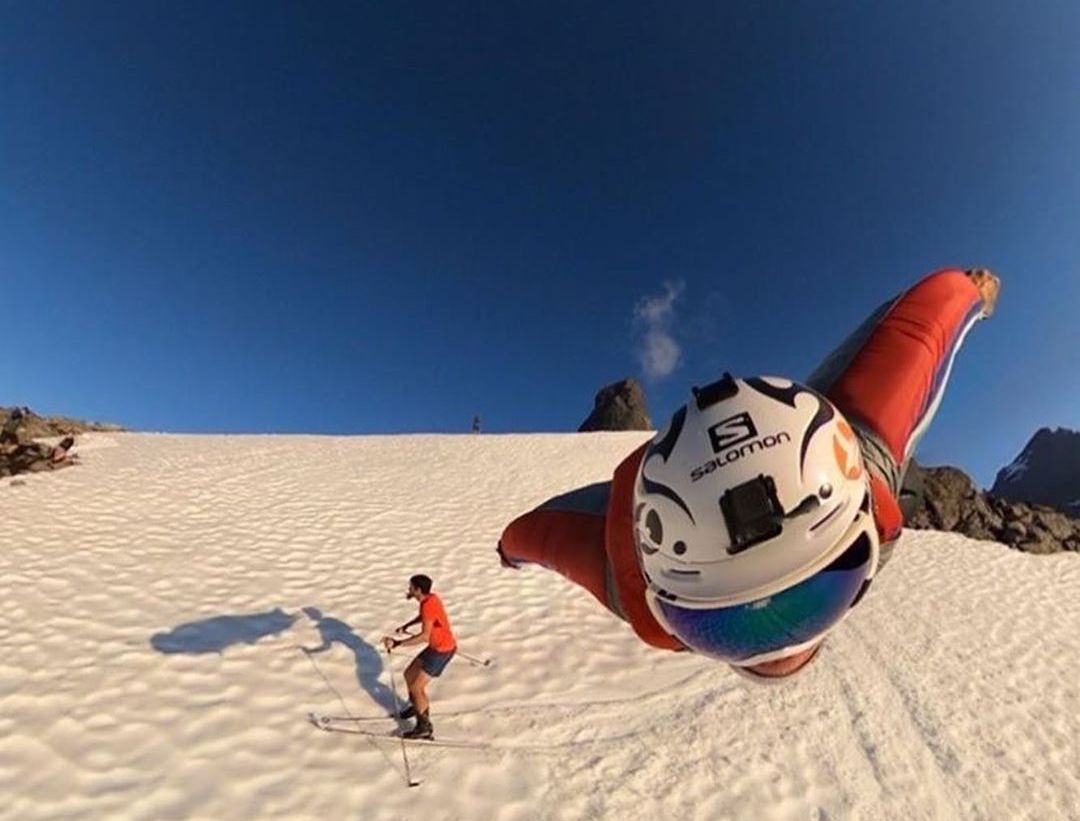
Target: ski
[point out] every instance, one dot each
(321, 718)
(392, 736)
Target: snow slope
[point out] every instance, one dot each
(154, 599)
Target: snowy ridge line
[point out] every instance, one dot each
(1016, 469)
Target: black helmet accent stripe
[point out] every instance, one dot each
(824, 413)
(787, 395)
(664, 449)
(666, 445)
(665, 491)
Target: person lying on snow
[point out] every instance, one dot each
(756, 520)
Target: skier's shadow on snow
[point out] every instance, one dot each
(369, 662)
(213, 635)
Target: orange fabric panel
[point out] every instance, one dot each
(433, 615)
(887, 514)
(888, 383)
(629, 582)
(568, 542)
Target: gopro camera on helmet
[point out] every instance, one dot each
(752, 512)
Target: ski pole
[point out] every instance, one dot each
(404, 754)
(475, 660)
(471, 659)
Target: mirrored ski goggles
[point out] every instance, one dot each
(775, 625)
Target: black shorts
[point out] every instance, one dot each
(433, 662)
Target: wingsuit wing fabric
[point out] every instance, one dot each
(887, 378)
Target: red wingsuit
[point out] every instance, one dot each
(887, 378)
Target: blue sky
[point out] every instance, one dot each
(361, 218)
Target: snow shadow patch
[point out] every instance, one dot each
(213, 635)
(369, 661)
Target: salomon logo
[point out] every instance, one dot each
(732, 431)
(735, 454)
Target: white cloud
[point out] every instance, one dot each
(659, 353)
(658, 310)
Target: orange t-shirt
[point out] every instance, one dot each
(433, 616)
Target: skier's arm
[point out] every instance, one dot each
(420, 638)
(408, 624)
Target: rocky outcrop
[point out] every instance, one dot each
(33, 426)
(19, 453)
(1046, 472)
(620, 406)
(945, 498)
(34, 457)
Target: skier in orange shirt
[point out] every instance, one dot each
(432, 660)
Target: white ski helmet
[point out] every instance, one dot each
(752, 520)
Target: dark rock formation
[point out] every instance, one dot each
(34, 457)
(1046, 472)
(620, 406)
(34, 426)
(945, 498)
(19, 453)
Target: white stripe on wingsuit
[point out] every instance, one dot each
(929, 415)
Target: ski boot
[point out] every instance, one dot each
(422, 730)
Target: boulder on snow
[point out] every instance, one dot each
(619, 406)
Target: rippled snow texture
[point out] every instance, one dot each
(154, 600)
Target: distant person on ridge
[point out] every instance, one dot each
(754, 522)
(436, 633)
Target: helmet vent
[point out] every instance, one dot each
(654, 527)
(828, 516)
